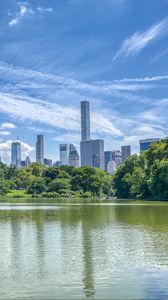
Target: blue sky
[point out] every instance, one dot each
(55, 53)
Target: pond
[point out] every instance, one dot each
(70, 250)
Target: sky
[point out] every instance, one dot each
(56, 53)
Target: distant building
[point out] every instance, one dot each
(111, 167)
(125, 152)
(57, 164)
(85, 121)
(117, 157)
(48, 162)
(27, 161)
(40, 149)
(144, 144)
(16, 154)
(23, 164)
(73, 156)
(64, 154)
(107, 158)
(92, 153)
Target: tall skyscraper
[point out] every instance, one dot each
(125, 152)
(107, 158)
(16, 154)
(144, 144)
(85, 121)
(92, 153)
(40, 149)
(73, 156)
(64, 154)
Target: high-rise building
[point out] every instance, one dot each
(40, 149)
(144, 144)
(92, 153)
(117, 157)
(125, 152)
(64, 154)
(16, 154)
(73, 156)
(85, 121)
(107, 158)
(48, 162)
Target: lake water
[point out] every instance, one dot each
(111, 250)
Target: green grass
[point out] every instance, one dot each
(18, 194)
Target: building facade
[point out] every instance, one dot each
(48, 162)
(144, 144)
(92, 153)
(40, 149)
(73, 156)
(85, 121)
(16, 154)
(107, 158)
(64, 154)
(117, 157)
(125, 152)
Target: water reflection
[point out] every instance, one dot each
(84, 250)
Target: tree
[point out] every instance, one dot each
(4, 186)
(37, 186)
(59, 185)
(121, 182)
(36, 169)
(158, 181)
(88, 179)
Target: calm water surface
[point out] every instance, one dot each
(112, 250)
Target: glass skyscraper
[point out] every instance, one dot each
(85, 121)
(144, 144)
(16, 154)
(40, 149)
(63, 154)
(107, 158)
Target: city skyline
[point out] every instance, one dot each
(113, 60)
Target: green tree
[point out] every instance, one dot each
(59, 185)
(37, 186)
(4, 186)
(158, 181)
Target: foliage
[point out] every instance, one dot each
(64, 181)
(145, 176)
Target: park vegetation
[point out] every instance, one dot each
(52, 182)
(144, 176)
(139, 177)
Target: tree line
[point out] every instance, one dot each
(139, 177)
(64, 181)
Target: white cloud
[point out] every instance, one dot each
(52, 114)
(25, 10)
(139, 40)
(4, 133)
(144, 79)
(5, 150)
(7, 126)
(27, 78)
